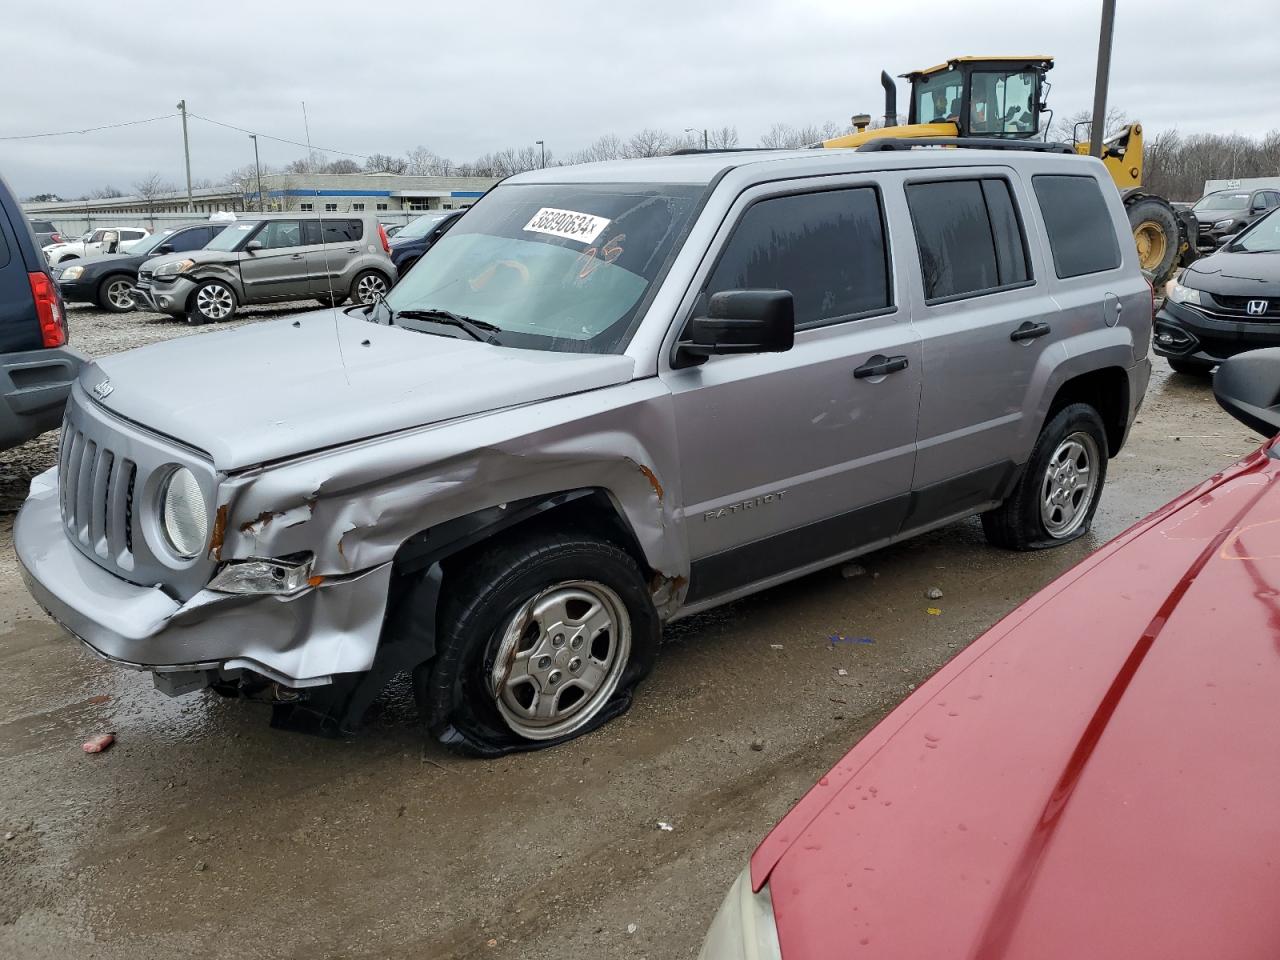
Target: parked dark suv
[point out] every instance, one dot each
(36, 366)
(1226, 212)
(418, 236)
(108, 280)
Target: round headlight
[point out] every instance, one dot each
(184, 514)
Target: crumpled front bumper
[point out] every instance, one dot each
(300, 640)
(169, 297)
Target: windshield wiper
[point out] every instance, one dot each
(480, 330)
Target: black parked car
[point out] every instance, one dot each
(108, 281)
(418, 236)
(1226, 212)
(37, 367)
(1225, 303)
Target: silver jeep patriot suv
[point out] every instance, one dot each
(612, 395)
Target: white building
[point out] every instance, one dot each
(396, 197)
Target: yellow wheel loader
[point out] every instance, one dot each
(999, 102)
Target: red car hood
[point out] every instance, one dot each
(1097, 776)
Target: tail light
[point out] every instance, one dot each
(55, 238)
(1152, 287)
(53, 321)
(382, 235)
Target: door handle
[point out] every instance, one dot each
(1029, 331)
(298, 256)
(879, 365)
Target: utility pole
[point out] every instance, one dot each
(1098, 128)
(186, 152)
(706, 140)
(258, 168)
(543, 145)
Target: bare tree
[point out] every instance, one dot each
(341, 165)
(1078, 125)
(151, 188)
(723, 138)
(385, 163)
(106, 193)
(649, 143)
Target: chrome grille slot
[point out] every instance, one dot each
(106, 467)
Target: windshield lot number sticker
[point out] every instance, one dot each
(583, 227)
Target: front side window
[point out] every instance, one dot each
(190, 239)
(280, 233)
(1002, 103)
(1082, 237)
(560, 267)
(969, 237)
(828, 249)
(938, 97)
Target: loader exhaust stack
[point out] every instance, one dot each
(890, 99)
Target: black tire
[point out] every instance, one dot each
(1019, 522)
(1192, 368)
(1156, 214)
(482, 594)
(199, 312)
(330, 302)
(365, 279)
(108, 293)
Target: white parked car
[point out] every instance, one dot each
(94, 243)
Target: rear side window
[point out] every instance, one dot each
(191, 239)
(827, 248)
(342, 231)
(1081, 234)
(969, 237)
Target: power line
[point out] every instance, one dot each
(267, 136)
(108, 126)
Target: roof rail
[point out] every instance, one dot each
(689, 151)
(972, 143)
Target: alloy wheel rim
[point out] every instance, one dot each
(119, 294)
(559, 659)
(370, 287)
(1070, 483)
(214, 302)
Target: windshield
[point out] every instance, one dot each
(420, 226)
(147, 244)
(553, 266)
(1222, 201)
(1262, 237)
(230, 237)
(938, 97)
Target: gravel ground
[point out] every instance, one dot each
(206, 829)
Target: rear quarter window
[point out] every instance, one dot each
(1082, 236)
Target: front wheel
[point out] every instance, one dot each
(211, 302)
(368, 286)
(1155, 233)
(116, 294)
(540, 640)
(1057, 495)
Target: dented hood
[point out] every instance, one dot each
(290, 386)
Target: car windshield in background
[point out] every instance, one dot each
(1222, 201)
(420, 226)
(230, 237)
(1264, 237)
(550, 266)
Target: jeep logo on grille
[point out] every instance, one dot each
(1256, 308)
(103, 389)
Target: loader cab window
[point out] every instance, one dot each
(938, 97)
(1003, 103)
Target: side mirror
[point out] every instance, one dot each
(740, 321)
(164, 248)
(253, 246)
(1247, 386)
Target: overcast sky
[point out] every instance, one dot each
(467, 78)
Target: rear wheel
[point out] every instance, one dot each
(1057, 495)
(212, 301)
(1155, 232)
(368, 285)
(539, 640)
(115, 293)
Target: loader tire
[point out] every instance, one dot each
(1155, 231)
